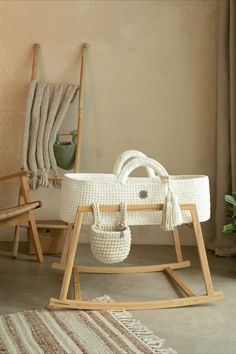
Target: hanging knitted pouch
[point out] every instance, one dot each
(110, 243)
(65, 151)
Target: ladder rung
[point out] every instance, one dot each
(66, 133)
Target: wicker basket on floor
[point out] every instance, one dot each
(51, 239)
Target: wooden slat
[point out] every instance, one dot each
(20, 219)
(16, 241)
(76, 284)
(17, 231)
(179, 282)
(66, 244)
(177, 245)
(32, 223)
(135, 305)
(202, 251)
(131, 269)
(51, 178)
(52, 224)
(57, 178)
(81, 106)
(65, 133)
(13, 175)
(34, 74)
(131, 207)
(71, 257)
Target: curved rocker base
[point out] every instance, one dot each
(135, 305)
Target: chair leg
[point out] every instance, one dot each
(31, 220)
(16, 233)
(16, 241)
(35, 237)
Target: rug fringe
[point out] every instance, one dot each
(104, 298)
(143, 333)
(2, 347)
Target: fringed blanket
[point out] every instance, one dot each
(46, 108)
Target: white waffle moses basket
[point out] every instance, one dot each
(106, 189)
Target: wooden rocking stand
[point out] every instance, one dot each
(72, 270)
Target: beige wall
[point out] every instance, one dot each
(150, 82)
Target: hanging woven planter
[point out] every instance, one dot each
(110, 243)
(65, 151)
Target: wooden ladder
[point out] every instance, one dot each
(34, 76)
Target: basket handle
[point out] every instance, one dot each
(138, 162)
(123, 214)
(129, 154)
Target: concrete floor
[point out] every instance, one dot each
(208, 328)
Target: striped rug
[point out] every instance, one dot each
(74, 332)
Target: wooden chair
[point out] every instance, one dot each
(21, 214)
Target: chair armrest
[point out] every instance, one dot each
(13, 175)
(10, 213)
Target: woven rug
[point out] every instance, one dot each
(76, 331)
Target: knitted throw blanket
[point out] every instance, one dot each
(47, 105)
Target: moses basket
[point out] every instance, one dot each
(118, 187)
